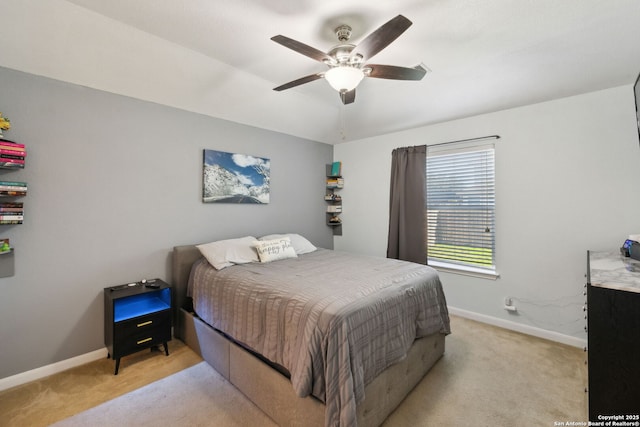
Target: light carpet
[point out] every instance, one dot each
(196, 396)
(488, 376)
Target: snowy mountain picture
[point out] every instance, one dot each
(235, 178)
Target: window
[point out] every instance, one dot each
(460, 207)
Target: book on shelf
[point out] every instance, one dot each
(11, 156)
(333, 198)
(5, 164)
(11, 219)
(4, 158)
(335, 220)
(335, 182)
(11, 216)
(11, 145)
(12, 193)
(334, 209)
(11, 205)
(16, 153)
(7, 210)
(336, 169)
(13, 186)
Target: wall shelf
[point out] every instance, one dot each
(334, 182)
(12, 157)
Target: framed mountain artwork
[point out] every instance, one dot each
(235, 178)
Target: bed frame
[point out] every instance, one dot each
(272, 391)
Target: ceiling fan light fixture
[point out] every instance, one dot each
(344, 78)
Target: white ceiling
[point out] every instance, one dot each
(215, 57)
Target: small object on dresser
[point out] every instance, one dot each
(624, 249)
(151, 283)
(634, 250)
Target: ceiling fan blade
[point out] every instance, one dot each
(302, 48)
(300, 81)
(396, 73)
(381, 37)
(348, 97)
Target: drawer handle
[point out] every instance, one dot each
(144, 341)
(148, 322)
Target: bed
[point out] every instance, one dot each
(331, 368)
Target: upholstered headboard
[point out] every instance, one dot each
(182, 259)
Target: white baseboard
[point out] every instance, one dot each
(519, 327)
(54, 368)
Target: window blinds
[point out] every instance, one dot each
(460, 203)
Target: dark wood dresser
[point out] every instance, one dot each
(613, 307)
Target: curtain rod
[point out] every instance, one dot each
(467, 140)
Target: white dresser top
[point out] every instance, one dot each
(614, 271)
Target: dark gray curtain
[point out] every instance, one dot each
(407, 205)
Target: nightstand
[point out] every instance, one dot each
(137, 316)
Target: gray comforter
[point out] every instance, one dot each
(334, 320)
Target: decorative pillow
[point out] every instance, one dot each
(299, 243)
(273, 250)
(225, 253)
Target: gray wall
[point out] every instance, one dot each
(114, 183)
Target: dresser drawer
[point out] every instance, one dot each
(142, 340)
(141, 332)
(142, 324)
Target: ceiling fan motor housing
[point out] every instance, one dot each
(343, 32)
(342, 55)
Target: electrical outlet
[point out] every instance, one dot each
(508, 304)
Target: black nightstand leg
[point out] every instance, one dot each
(166, 348)
(117, 366)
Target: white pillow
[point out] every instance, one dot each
(299, 243)
(225, 253)
(273, 250)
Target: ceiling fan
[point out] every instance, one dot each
(348, 63)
